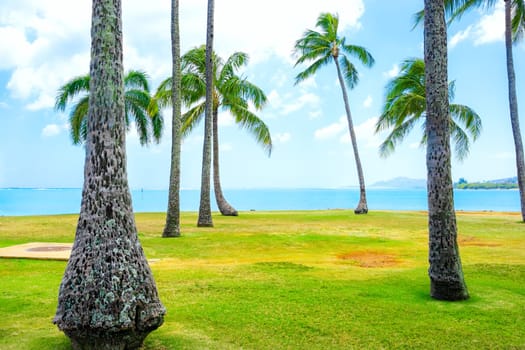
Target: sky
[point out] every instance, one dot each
(43, 44)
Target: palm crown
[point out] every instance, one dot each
(405, 106)
(137, 99)
(320, 47)
(231, 92)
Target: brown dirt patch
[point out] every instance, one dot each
(476, 242)
(370, 259)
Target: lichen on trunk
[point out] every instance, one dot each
(445, 270)
(108, 298)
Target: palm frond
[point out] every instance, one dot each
(254, 125)
(78, 121)
(518, 20)
(136, 79)
(349, 72)
(359, 52)
(70, 90)
(329, 23)
(191, 118)
(397, 135)
(467, 117)
(460, 140)
(313, 68)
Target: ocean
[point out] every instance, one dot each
(31, 201)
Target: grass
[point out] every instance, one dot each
(292, 280)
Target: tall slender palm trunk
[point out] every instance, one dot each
(224, 207)
(445, 272)
(172, 227)
(107, 298)
(362, 206)
(513, 105)
(205, 218)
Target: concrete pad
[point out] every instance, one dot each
(38, 250)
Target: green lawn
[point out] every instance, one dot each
(292, 280)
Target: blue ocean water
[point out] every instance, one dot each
(22, 201)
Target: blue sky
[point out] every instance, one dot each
(45, 43)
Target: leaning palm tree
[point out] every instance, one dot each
(137, 99)
(514, 32)
(107, 298)
(172, 226)
(231, 93)
(445, 271)
(405, 107)
(322, 48)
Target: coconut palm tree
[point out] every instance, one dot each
(136, 98)
(405, 106)
(231, 93)
(514, 32)
(205, 218)
(445, 271)
(107, 298)
(172, 227)
(321, 48)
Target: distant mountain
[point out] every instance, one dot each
(509, 180)
(401, 182)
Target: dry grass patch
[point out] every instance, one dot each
(370, 259)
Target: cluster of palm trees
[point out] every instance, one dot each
(108, 298)
(231, 93)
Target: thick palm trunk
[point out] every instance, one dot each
(362, 206)
(224, 207)
(172, 227)
(513, 104)
(205, 218)
(446, 274)
(107, 298)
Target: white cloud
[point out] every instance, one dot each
(226, 147)
(306, 99)
(282, 137)
(45, 43)
(459, 37)
(51, 130)
(365, 134)
(367, 103)
(226, 119)
(331, 131)
(392, 73)
(490, 28)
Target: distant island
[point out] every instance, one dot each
(402, 182)
(500, 184)
(462, 184)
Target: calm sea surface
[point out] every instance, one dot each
(19, 201)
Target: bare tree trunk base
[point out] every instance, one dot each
(170, 234)
(448, 290)
(361, 209)
(227, 210)
(204, 224)
(100, 340)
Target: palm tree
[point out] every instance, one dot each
(405, 106)
(205, 218)
(321, 48)
(231, 93)
(172, 227)
(445, 272)
(136, 98)
(514, 32)
(107, 298)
